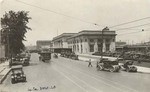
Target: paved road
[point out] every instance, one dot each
(65, 75)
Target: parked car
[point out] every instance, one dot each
(26, 61)
(62, 54)
(17, 74)
(55, 55)
(110, 65)
(73, 56)
(16, 61)
(128, 66)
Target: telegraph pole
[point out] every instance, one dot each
(106, 28)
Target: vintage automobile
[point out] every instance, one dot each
(55, 55)
(73, 56)
(17, 74)
(67, 54)
(128, 66)
(45, 56)
(107, 64)
(62, 54)
(26, 61)
(16, 61)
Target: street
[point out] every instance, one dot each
(66, 75)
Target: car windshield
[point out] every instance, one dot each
(17, 71)
(129, 62)
(110, 62)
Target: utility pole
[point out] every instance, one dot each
(104, 29)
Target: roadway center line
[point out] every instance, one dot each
(70, 80)
(105, 79)
(101, 80)
(82, 81)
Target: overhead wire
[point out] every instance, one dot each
(58, 13)
(132, 27)
(133, 32)
(130, 22)
(75, 18)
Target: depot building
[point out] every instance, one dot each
(87, 41)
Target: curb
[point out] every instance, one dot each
(4, 77)
(86, 58)
(2, 70)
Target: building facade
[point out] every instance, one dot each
(86, 41)
(92, 41)
(61, 40)
(44, 44)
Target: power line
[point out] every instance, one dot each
(129, 22)
(75, 18)
(133, 32)
(132, 27)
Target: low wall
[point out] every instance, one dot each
(85, 57)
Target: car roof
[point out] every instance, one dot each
(45, 52)
(17, 67)
(129, 60)
(111, 59)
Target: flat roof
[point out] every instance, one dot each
(93, 32)
(43, 41)
(63, 35)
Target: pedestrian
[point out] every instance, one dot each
(90, 63)
(97, 64)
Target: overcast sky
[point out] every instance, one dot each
(48, 22)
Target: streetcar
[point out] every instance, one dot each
(45, 56)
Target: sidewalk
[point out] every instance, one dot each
(85, 57)
(4, 71)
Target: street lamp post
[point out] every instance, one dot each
(102, 45)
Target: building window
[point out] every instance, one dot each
(78, 47)
(99, 47)
(113, 40)
(107, 47)
(107, 40)
(91, 40)
(81, 49)
(85, 40)
(91, 47)
(99, 40)
(74, 47)
(81, 40)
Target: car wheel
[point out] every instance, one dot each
(128, 70)
(112, 69)
(135, 71)
(25, 80)
(118, 70)
(12, 81)
(100, 68)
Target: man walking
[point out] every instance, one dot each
(90, 63)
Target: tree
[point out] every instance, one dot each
(14, 27)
